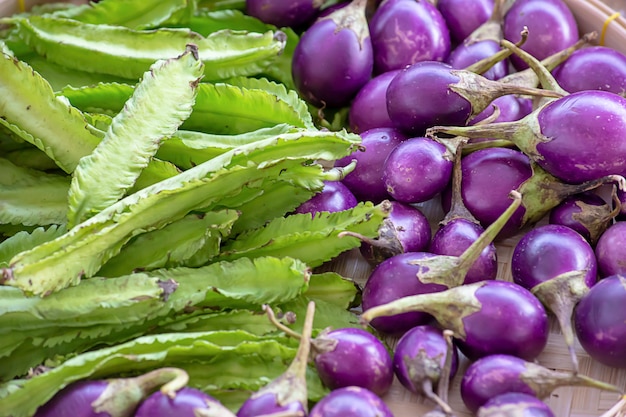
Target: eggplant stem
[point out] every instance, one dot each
(272, 317)
(427, 389)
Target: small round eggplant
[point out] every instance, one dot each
(467, 54)
(117, 397)
(463, 17)
(335, 196)
(559, 266)
(368, 110)
(332, 75)
(351, 402)
(283, 13)
(518, 322)
(611, 250)
(186, 403)
(515, 404)
(366, 180)
(425, 36)
(493, 375)
(587, 213)
(600, 321)
(353, 357)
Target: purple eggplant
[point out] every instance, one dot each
(621, 202)
(600, 321)
(587, 213)
(459, 229)
(518, 322)
(551, 25)
(559, 266)
(467, 54)
(283, 13)
(366, 180)
(414, 273)
(353, 357)
(288, 392)
(332, 75)
(417, 170)
(419, 359)
(494, 375)
(351, 402)
(187, 402)
(515, 404)
(368, 110)
(464, 17)
(118, 397)
(593, 68)
(611, 250)
(335, 196)
(424, 34)
(433, 93)
(406, 229)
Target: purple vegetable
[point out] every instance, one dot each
(621, 203)
(559, 266)
(353, 357)
(463, 17)
(587, 213)
(467, 54)
(550, 23)
(332, 75)
(406, 229)
(433, 93)
(368, 110)
(188, 402)
(414, 273)
(335, 196)
(351, 402)
(424, 36)
(517, 322)
(288, 392)
(459, 229)
(600, 321)
(117, 397)
(366, 180)
(510, 108)
(419, 359)
(515, 404)
(577, 138)
(593, 68)
(417, 170)
(281, 13)
(494, 375)
(611, 250)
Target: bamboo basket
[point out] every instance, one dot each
(608, 18)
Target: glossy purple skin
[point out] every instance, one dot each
(551, 27)
(611, 250)
(392, 279)
(282, 13)
(564, 214)
(417, 170)
(600, 321)
(465, 55)
(266, 404)
(531, 405)
(359, 359)
(351, 402)
(491, 376)
(333, 74)
(184, 404)
(511, 108)
(369, 108)
(75, 401)
(455, 237)
(517, 323)
(462, 17)
(593, 68)
(419, 97)
(584, 148)
(412, 225)
(425, 36)
(488, 176)
(429, 340)
(366, 181)
(335, 196)
(548, 251)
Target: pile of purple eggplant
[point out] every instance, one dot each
(516, 122)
